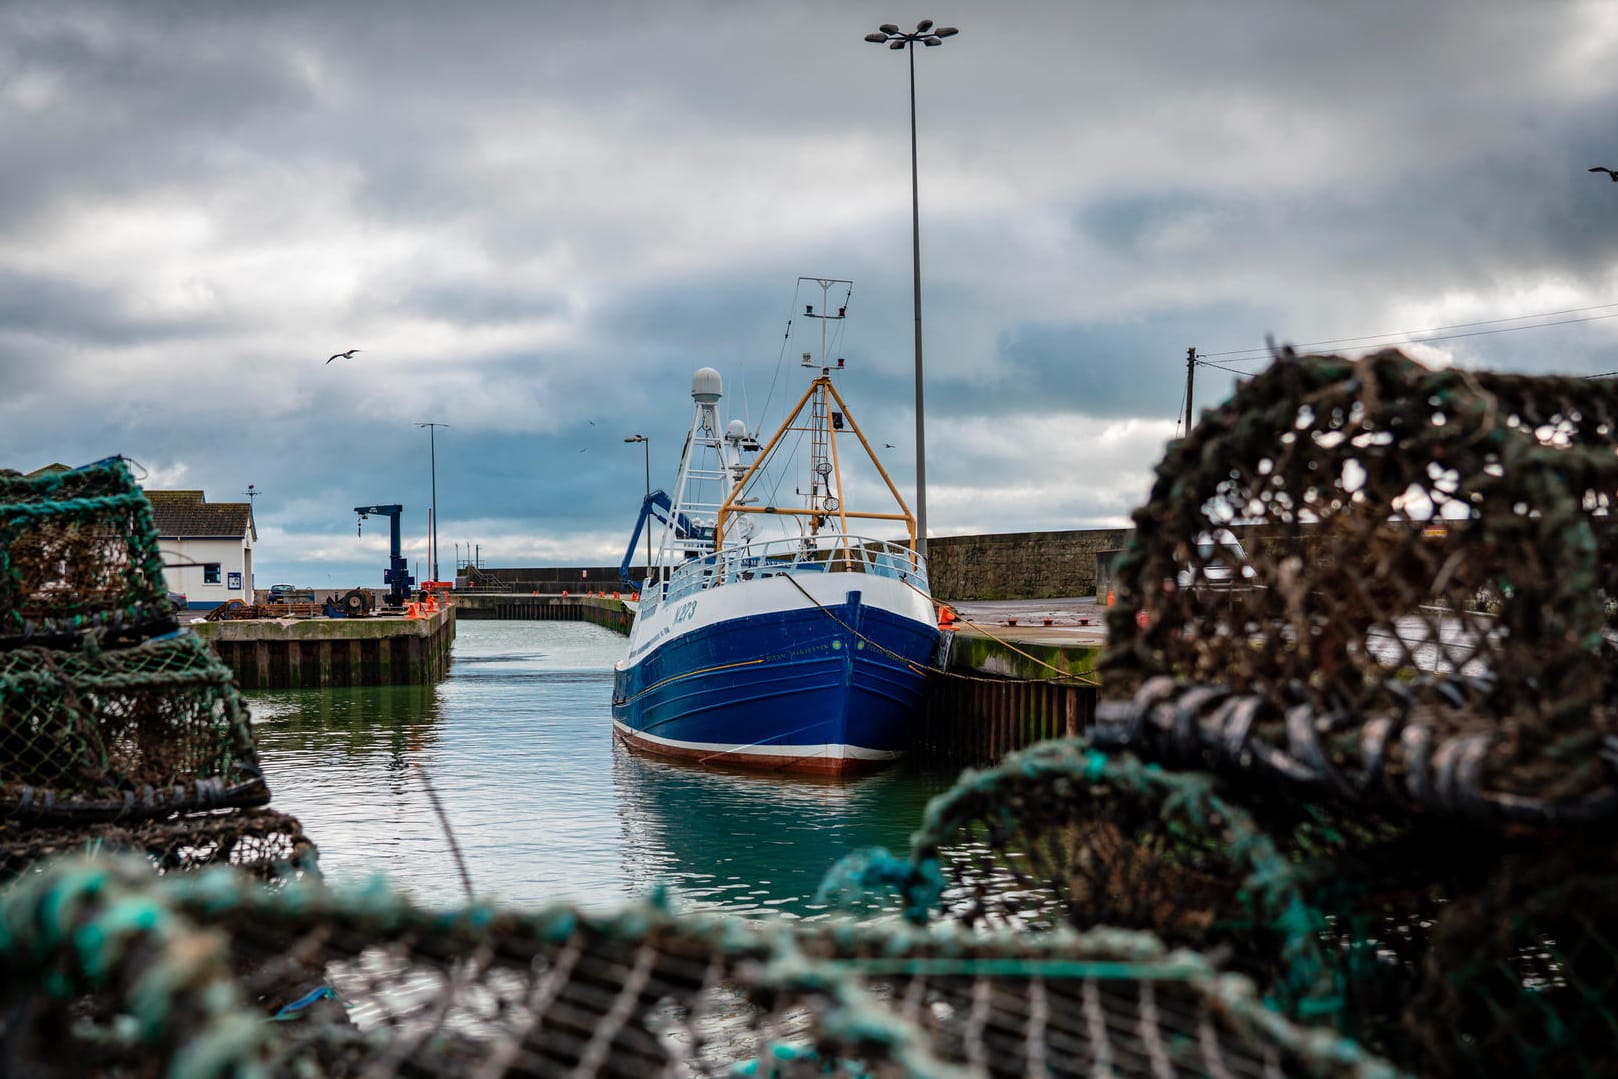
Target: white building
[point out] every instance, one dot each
(207, 546)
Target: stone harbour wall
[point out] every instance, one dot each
(1019, 565)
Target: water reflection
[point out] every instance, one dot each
(755, 843)
(544, 804)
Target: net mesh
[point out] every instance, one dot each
(1419, 608)
(79, 553)
(1379, 601)
(262, 842)
(1061, 835)
(122, 733)
(129, 972)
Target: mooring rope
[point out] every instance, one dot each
(1081, 679)
(449, 833)
(906, 660)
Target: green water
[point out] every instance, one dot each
(543, 802)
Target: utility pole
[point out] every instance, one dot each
(1190, 383)
(432, 449)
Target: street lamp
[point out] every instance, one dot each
(432, 449)
(888, 34)
(646, 446)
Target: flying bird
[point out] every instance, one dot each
(349, 355)
(1612, 173)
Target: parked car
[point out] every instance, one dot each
(282, 593)
(178, 601)
(1220, 563)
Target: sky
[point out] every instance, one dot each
(536, 220)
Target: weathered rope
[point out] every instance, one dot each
(564, 991)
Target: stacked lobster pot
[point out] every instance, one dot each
(117, 728)
(1358, 723)
(1380, 603)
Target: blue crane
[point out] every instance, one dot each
(397, 575)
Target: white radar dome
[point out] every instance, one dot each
(735, 431)
(706, 386)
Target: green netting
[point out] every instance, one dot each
(79, 552)
(113, 970)
(1406, 672)
(1062, 835)
(1523, 971)
(260, 841)
(122, 733)
(1424, 612)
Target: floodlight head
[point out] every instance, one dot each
(945, 31)
(898, 44)
(888, 28)
(877, 39)
(931, 41)
(924, 25)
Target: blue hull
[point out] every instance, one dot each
(791, 689)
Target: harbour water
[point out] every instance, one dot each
(543, 802)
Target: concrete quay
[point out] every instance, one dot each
(310, 653)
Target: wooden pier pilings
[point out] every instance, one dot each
(309, 653)
(997, 693)
(975, 721)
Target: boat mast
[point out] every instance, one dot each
(822, 466)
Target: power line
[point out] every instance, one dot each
(1369, 338)
(1222, 367)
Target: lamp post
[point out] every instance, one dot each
(646, 447)
(888, 34)
(432, 449)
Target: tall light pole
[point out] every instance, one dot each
(646, 446)
(432, 449)
(888, 34)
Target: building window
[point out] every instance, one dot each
(210, 573)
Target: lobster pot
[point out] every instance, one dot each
(1061, 836)
(1382, 583)
(632, 993)
(78, 552)
(261, 842)
(1520, 977)
(130, 733)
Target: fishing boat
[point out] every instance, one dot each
(773, 631)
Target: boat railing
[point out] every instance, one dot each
(827, 552)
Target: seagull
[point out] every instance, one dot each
(1613, 173)
(349, 355)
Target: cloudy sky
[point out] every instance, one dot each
(536, 219)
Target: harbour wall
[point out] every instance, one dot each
(312, 653)
(1007, 565)
(1019, 565)
(603, 610)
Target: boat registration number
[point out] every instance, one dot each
(685, 611)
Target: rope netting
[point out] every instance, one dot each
(79, 552)
(1392, 584)
(122, 733)
(1061, 835)
(114, 970)
(262, 842)
(1379, 602)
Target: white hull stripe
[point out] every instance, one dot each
(834, 752)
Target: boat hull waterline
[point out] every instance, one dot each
(820, 675)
